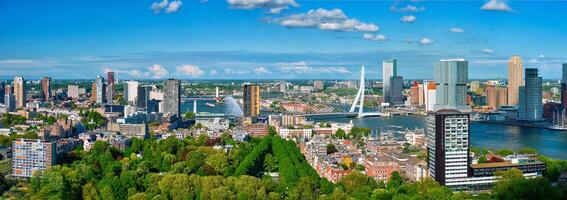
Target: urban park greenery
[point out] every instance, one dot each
(196, 168)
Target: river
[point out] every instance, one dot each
(493, 136)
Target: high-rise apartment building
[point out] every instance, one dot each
(414, 94)
(530, 97)
(319, 85)
(515, 79)
(389, 70)
(131, 91)
(73, 91)
(100, 90)
(142, 97)
(251, 100)
(32, 155)
(110, 87)
(430, 93)
(93, 92)
(396, 91)
(448, 146)
(496, 96)
(172, 97)
(451, 77)
(20, 91)
(46, 88)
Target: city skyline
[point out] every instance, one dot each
(224, 39)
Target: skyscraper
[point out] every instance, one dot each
(142, 97)
(389, 69)
(448, 146)
(172, 97)
(9, 99)
(110, 87)
(20, 91)
(515, 78)
(530, 96)
(451, 77)
(100, 90)
(251, 100)
(46, 88)
(396, 91)
(2, 90)
(564, 86)
(131, 91)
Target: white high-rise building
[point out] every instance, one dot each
(131, 91)
(73, 91)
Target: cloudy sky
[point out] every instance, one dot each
(276, 39)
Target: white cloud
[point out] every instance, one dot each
(541, 56)
(329, 20)
(408, 19)
(157, 71)
(261, 70)
(496, 5)
(456, 30)
(16, 62)
(191, 70)
(488, 51)
(408, 8)
(173, 6)
(275, 6)
(213, 72)
(369, 36)
(302, 68)
(425, 41)
(170, 7)
(132, 73)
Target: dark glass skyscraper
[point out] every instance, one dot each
(530, 105)
(172, 96)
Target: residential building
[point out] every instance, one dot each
(251, 100)
(9, 99)
(93, 92)
(515, 79)
(73, 91)
(430, 96)
(130, 130)
(496, 96)
(448, 145)
(389, 69)
(380, 167)
(46, 88)
(530, 97)
(172, 97)
(415, 94)
(32, 155)
(451, 77)
(20, 91)
(319, 85)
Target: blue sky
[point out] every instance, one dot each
(279, 39)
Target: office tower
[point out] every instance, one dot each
(319, 85)
(93, 92)
(396, 91)
(451, 77)
(421, 91)
(496, 96)
(389, 69)
(530, 96)
(172, 96)
(32, 155)
(2, 90)
(20, 91)
(142, 97)
(73, 91)
(131, 92)
(100, 90)
(251, 100)
(110, 87)
(46, 88)
(9, 99)
(515, 78)
(448, 146)
(564, 86)
(153, 106)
